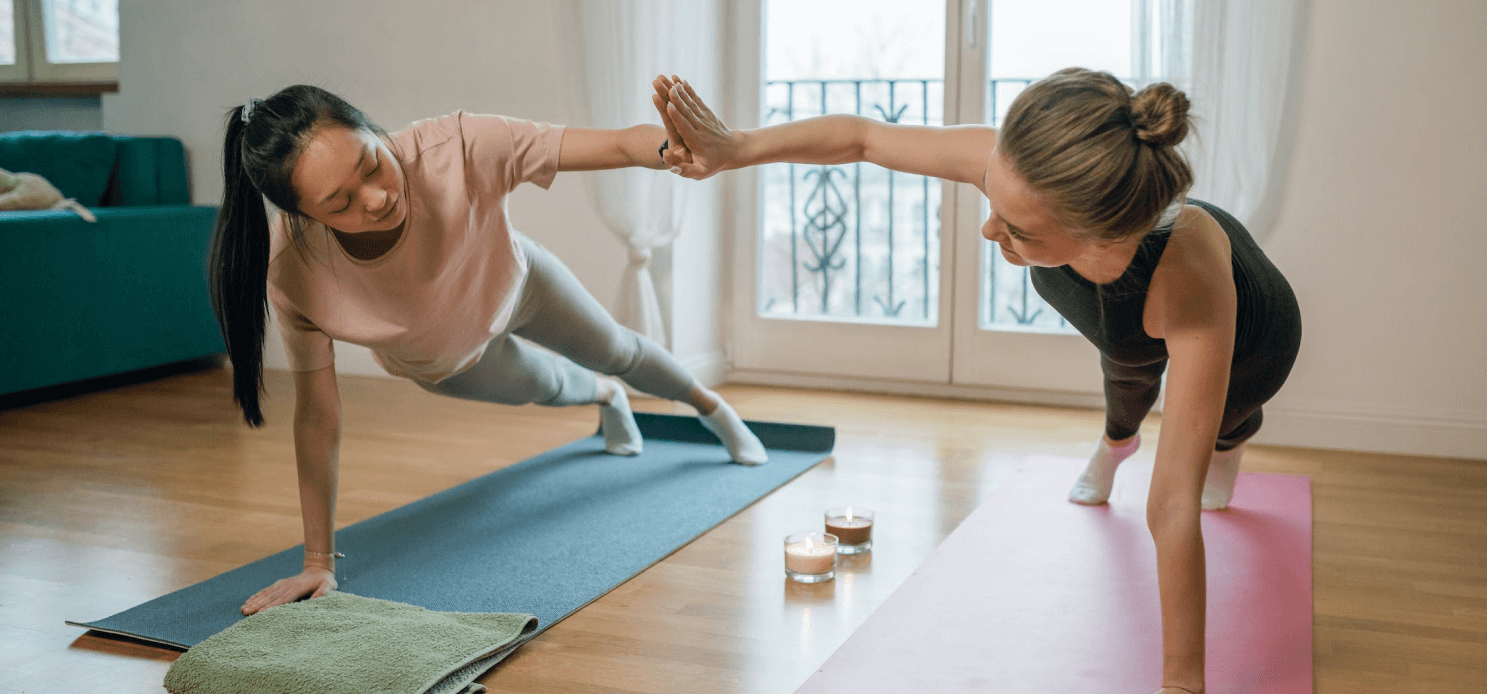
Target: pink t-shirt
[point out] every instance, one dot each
(428, 307)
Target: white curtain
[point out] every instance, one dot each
(621, 45)
(1240, 63)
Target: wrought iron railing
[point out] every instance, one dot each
(859, 242)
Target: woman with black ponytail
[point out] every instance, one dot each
(401, 243)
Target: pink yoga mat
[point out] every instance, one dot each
(1035, 594)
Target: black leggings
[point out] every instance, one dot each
(1130, 392)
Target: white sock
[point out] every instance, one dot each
(743, 446)
(1223, 470)
(1093, 487)
(621, 435)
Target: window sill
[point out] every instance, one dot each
(56, 88)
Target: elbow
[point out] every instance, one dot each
(859, 145)
(1171, 517)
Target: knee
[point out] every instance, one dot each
(1238, 428)
(1169, 513)
(624, 354)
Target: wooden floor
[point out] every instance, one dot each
(114, 498)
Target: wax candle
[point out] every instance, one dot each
(810, 557)
(853, 526)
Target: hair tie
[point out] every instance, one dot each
(248, 109)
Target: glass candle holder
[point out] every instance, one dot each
(810, 557)
(853, 527)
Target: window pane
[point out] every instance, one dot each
(1029, 40)
(82, 31)
(1033, 38)
(854, 242)
(7, 32)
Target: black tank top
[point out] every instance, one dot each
(1110, 315)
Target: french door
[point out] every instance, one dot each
(854, 272)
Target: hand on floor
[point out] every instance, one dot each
(315, 582)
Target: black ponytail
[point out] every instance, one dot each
(239, 272)
(258, 158)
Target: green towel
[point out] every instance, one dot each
(347, 643)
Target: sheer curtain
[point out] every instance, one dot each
(620, 46)
(1240, 63)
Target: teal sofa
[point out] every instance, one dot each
(80, 300)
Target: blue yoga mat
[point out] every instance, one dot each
(545, 536)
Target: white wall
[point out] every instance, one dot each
(185, 64)
(1383, 235)
(50, 113)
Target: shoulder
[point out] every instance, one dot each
(428, 133)
(1194, 282)
(1198, 250)
(1198, 240)
(485, 133)
(291, 237)
(279, 235)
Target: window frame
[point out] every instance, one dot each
(20, 71)
(33, 73)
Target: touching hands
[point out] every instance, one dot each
(700, 144)
(313, 581)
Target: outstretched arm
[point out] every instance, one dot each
(588, 149)
(317, 440)
(956, 153)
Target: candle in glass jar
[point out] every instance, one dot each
(810, 557)
(853, 527)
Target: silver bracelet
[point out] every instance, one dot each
(339, 571)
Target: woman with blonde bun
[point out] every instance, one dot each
(1088, 189)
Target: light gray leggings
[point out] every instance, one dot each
(555, 311)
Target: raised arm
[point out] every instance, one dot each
(317, 443)
(956, 153)
(589, 149)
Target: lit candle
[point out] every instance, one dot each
(853, 526)
(810, 557)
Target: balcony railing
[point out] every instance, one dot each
(858, 242)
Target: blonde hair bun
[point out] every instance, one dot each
(1099, 153)
(1160, 113)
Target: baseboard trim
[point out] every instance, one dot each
(711, 368)
(1432, 434)
(935, 390)
(1402, 433)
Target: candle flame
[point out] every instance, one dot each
(808, 545)
(849, 514)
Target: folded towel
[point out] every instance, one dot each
(347, 643)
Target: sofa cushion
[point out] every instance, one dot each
(77, 163)
(151, 171)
